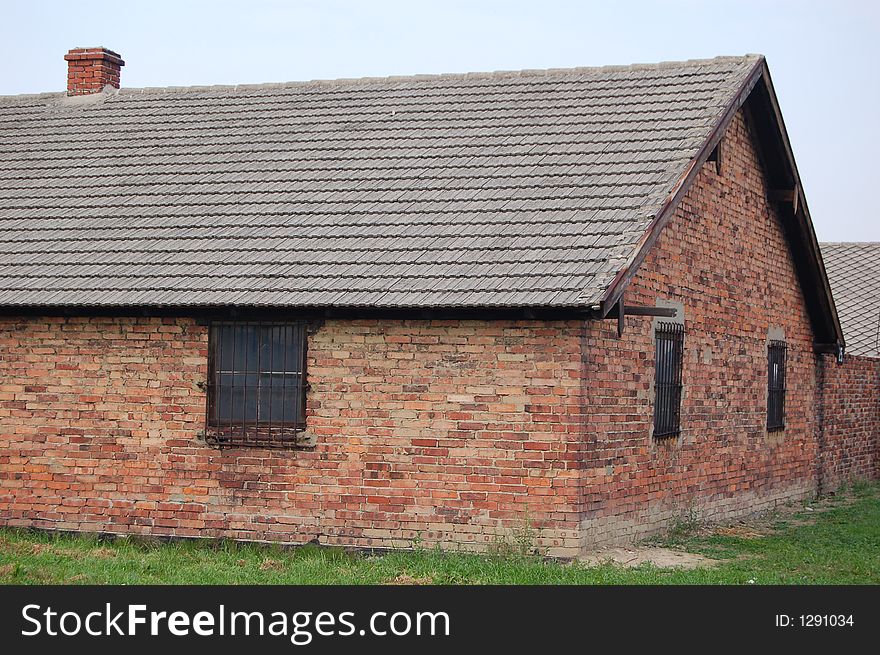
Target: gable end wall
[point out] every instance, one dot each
(724, 259)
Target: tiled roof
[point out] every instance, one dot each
(507, 189)
(854, 272)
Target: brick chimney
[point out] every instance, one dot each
(89, 70)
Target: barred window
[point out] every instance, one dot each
(667, 379)
(776, 356)
(256, 383)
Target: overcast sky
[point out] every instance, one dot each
(823, 56)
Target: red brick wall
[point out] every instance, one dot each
(850, 416)
(723, 257)
(448, 432)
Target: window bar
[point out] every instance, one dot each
(679, 371)
(295, 368)
(300, 367)
(673, 388)
(246, 435)
(664, 417)
(269, 377)
(290, 367)
(771, 386)
(215, 392)
(670, 379)
(663, 386)
(662, 382)
(232, 380)
(782, 383)
(296, 380)
(286, 350)
(263, 417)
(241, 377)
(258, 331)
(667, 355)
(774, 384)
(301, 378)
(670, 382)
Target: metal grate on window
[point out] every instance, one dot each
(777, 352)
(256, 384)
(667, 379)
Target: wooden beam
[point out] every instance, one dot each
(636, 310)
(781, 195)
(716, 155)
(641, 310)
(786, 195)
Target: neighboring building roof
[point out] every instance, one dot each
(505, 189)
(854, 273)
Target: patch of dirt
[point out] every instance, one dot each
(271, 565)
(6, 569)
(51, 549)
(99, 552)
(102, 553)
(22, 548)
(633, 556)
(741, 531)
(404, 579)
(16, 548)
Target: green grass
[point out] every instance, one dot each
(837, 543)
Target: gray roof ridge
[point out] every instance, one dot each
(498, 74)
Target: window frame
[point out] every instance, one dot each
(776, 385)
(242, 431)
(668, 386)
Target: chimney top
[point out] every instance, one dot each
(89, 70)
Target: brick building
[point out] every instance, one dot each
(852, 392)
(571, 304)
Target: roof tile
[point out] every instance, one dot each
(854, 273)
